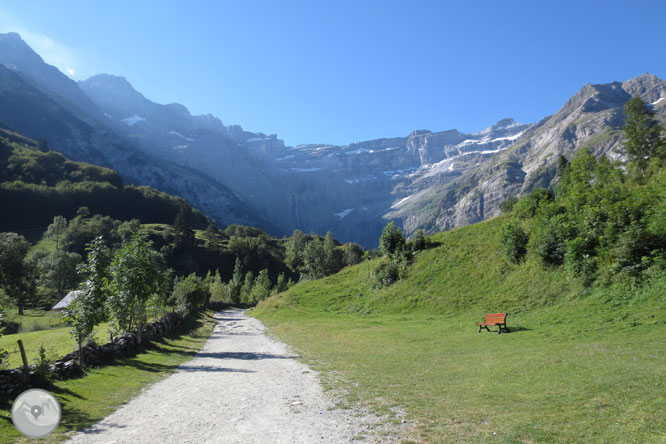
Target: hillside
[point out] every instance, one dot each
(37, 184)
(578, 365)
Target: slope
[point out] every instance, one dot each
(578, 365)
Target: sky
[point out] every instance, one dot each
(342, 71)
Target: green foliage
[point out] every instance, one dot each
(528, 206)
(183, 227)
(139, 282)
(261, 288)
(352, 253)
(88, 309)
(514, 241)
(16, 274)
(508, 204)
(56, 229)
(235, 285)
(392, 240)
(57, 274)
(248, 283)
(191, 290)
(218, 290)
(419, 242)
(641, 131)
(42, 366)
(315, 260)
(550, 240)
(282, 284)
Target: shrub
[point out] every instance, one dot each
(191, 290)
(419, 242)
(392, 240)
(514, 241)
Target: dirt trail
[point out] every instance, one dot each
(242, 387)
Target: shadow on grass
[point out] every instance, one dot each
(74, 419)
(517, 329)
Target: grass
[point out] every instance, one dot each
(89, 399)
(57, 342)
(35, 319)
(578, 366)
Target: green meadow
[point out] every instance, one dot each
(579, 365)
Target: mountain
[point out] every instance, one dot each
(430, 180)
(345, 189)
(39, 101)
(592, 118)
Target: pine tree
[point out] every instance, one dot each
(641, 131)
(183, 226)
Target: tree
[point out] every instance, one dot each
(191, 290)
(353, 253)
(294, 256)
(183, 226)
(315, 260)
(87, 310)
(56, 229)
(57, 273)
(247, 287)
(392, 240)
(16, 274)
(137, 283)
(514, 241)
(333, 255)
(262, 287)
(235, 286)
(641, 131)
(282, 284)
(419, 242)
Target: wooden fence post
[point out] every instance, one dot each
(26, 367)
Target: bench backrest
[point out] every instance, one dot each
(496, 318)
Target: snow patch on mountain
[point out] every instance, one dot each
(175, 133)
(133, 120)
(344, 213)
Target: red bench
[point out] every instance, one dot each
(498, 319)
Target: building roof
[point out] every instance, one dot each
(64, 302)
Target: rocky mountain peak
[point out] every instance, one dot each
(648, 86)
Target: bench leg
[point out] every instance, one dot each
(499, 329)
(479, 329)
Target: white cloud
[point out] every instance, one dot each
(53, 53)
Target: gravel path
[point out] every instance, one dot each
(242, 387)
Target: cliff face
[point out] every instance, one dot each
(592, 118)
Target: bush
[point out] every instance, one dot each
(514, 241)
(529, 205)
(551, 240)
(419, 242)
(392, 240)
(42, 366)
(386, 273)
(191, 290)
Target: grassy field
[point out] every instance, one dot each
(57, 342)
(35, 319)
(577, 367)
(89, 399)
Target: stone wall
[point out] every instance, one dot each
(12, 381)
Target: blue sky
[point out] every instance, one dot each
(345, 71)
